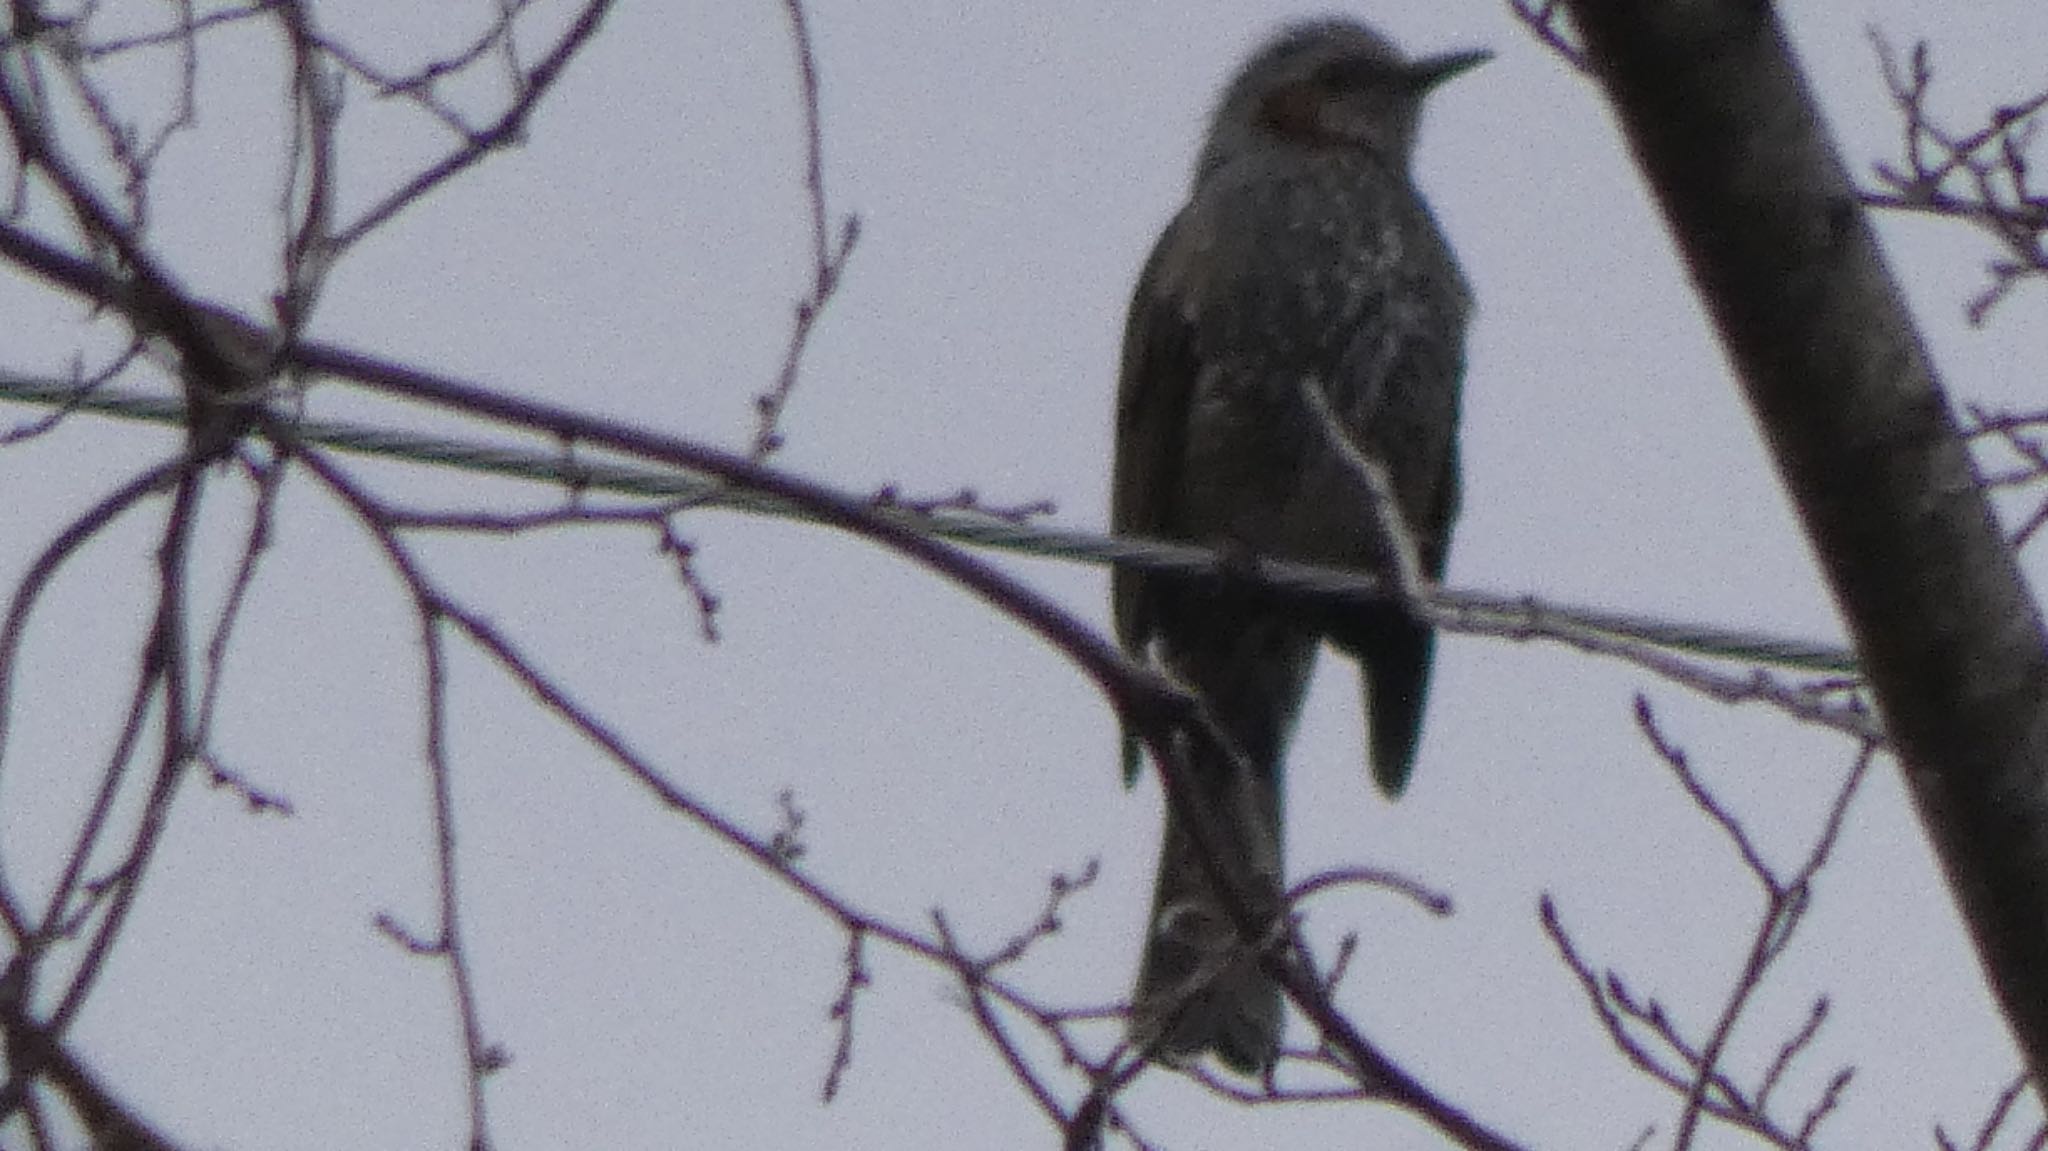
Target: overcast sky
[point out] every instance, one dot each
(1011, 165)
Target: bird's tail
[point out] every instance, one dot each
(1200, 988)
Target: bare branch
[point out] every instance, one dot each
(1546, 20)
(1996, 196)
(828, 256)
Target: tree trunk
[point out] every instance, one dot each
(1722, 124)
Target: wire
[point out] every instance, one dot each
(1474, 609)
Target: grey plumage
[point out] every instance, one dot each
(1304, 252)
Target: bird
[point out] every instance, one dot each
(1305, 259)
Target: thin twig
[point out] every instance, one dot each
(828, 257)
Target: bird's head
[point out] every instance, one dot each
(1328, 84)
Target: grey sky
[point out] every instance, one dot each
(1011, 166)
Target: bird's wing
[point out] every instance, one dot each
(1153, 386)
(1400, 363)
(1436, 530)
(1403, 365)
(1151, 420)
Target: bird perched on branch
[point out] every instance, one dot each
(1304, 262)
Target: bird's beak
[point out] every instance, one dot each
(1433, 70)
